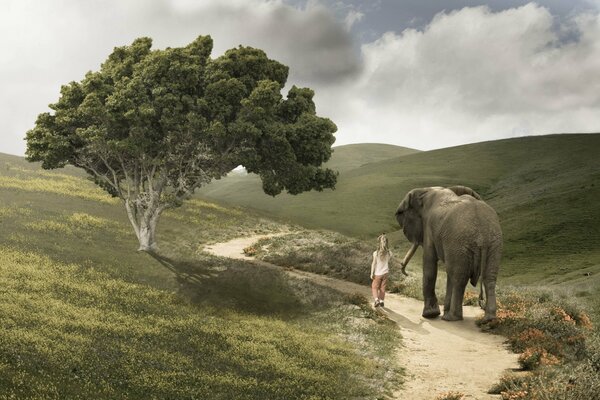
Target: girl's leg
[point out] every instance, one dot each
(381, 291)
(375, 287)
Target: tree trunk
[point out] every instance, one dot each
(147, 237)
(144, 222)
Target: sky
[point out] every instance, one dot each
(424, 74)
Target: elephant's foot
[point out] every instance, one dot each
(431, 312)
(452, 317)
(488, 318)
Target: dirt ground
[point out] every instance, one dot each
(439, 356)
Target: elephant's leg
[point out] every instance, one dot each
(448, 291)
(490, 304)
(431, 308)
(489, 282)
(455, 313)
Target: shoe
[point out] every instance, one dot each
(377, 303)
(381, 304)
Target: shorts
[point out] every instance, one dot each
(380, 280)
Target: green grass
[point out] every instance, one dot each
(245, 189)
(73, 332)
(86, 316)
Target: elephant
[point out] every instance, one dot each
(455, 226)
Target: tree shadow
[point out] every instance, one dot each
(236, 285)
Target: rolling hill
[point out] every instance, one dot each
(545, 189)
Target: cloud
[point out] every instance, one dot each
(352, 17)
(50, 43)
(473, 75)
(310, 40)
(468, 75)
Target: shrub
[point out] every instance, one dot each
(510, 382)
(558, 346)
(569, 382)
(357, 299)
(250, 251)
(320, 252)
(533, 357)
(471, 299)
(450, 396)
(550, 329)
(515, 395)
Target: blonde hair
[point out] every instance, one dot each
(383, 250)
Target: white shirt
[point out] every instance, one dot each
(380, 266)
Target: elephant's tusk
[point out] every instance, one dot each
(407, 258)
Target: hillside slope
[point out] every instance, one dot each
(85, 316)
(545, 189)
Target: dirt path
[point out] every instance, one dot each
(439, 356)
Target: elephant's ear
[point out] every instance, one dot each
(404, 204)
(460, 190)
(416, 200)
(413, 200)
(409, 217)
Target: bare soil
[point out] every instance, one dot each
(439, 356)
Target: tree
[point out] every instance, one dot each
(151, 126)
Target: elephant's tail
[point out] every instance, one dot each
(482, 295)
(479, 270)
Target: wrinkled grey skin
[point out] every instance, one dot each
(458, 228)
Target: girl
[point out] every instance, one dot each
(380, 270)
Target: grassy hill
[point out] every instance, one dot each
(351, 156)
(85, 316)
(545, 189)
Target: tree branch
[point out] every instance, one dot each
(89, 167)
(114, 174)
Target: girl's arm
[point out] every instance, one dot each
(373, 265)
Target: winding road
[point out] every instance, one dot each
(439, 356)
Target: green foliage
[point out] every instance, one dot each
(166, 105)
(566, 382)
